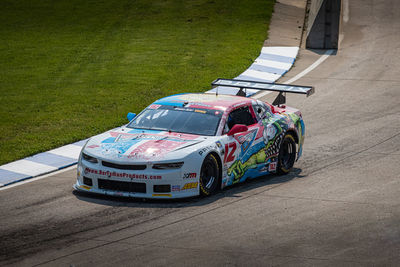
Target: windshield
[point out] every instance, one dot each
(178, 119)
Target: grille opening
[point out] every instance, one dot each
(123, 166)
(162, 188)
(87, 181)
(131, 187)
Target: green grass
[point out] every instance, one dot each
(71, 69)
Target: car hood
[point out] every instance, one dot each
(125, 144)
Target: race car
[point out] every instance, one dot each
(194, 144)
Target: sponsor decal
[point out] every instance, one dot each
(123, 174)
(184, 109)
(201, 98)
(272, 167)
(92, 146)
(200, 111)
(161, 195)
(205, 149)
(190, 175)
(175, 188)
(199, 104)
(190, 186)
(220, 147)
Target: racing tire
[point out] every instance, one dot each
(209, 175)
(287, 155)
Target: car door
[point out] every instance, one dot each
(239, 147)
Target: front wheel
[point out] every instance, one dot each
(209, 175)
(287, 155)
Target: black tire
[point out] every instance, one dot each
(209, 175)
(287, 154)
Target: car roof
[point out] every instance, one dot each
(204, 100)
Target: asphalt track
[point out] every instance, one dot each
(339, 207)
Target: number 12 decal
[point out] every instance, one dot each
(229, 152)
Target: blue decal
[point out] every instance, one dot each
(108, 140)
(117, 149)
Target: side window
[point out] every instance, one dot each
(239, 116)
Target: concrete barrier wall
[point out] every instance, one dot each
(323, 24)
(315, 6)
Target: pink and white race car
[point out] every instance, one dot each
(191, 144)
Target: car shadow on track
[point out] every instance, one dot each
(233, 191)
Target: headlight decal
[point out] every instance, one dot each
(172, 165)
(89, 158)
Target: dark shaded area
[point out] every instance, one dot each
(323, 32)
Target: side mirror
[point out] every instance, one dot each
(238, 128)
(130, 116)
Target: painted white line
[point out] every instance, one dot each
(286, 51)
(301, 74)
(28, 167)
(69, 151)
(38, 178)
(313, 66)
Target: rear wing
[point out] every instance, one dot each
(281, 88)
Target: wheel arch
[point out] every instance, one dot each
(219, 161)
(294, 134)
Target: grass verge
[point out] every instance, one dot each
(71, 69)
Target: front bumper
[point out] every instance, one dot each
(160, 184)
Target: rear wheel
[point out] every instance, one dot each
(209, 175)
(287, 154)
